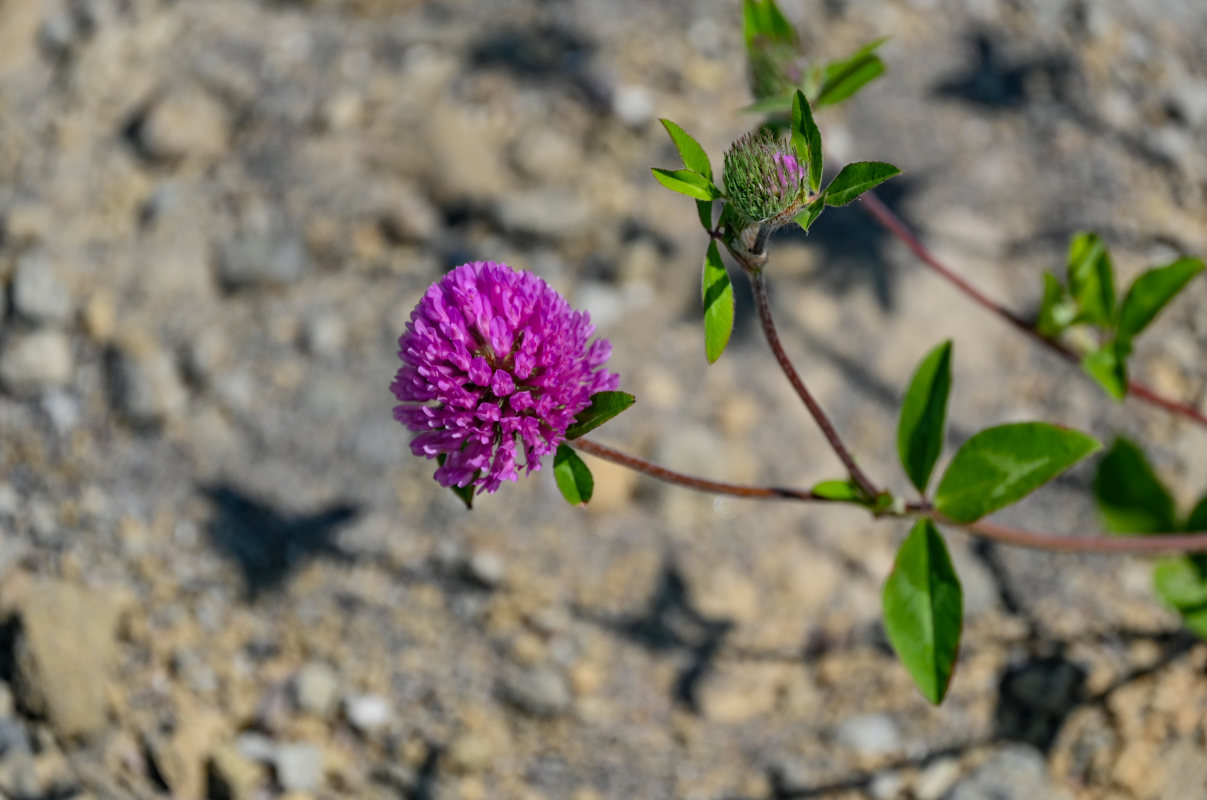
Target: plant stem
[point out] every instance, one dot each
(763, 304)
(874, 206)
(1095, 544)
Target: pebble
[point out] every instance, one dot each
(67, 640)
(410, 218)
(540, 691)
(368, 712)
(186, 123)
(18, 773)
(234, 776)
(316, 689)
(38, 293)
(634, 105)
(35, 361)
(260, 260)
(937, 779)
(1016, 772)
(144, 381)
(487, 568)
(324, 334)
(869, 734)
(546, 212)
(298, 766)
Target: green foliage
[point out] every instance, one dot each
(1197, 521)
(923, 416)
(604, 406)
(685, 181)
(843, 77)
(806, 218)
(763, 18)
(1131, 498)
(693, 155)
(717, 294)
(923, 610)
(806, 139)
(1002, 465)
(841, 491)
(1089, 299)
(856, 178)
(572, 475)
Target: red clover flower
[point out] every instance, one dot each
(494, 357)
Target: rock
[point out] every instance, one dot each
(232, 776)
(540, 691)
(937, 779)
(7, 706)
(186, 123)
(38, 294)
(548, 212)
(409, 217)
(66, 643)
(19, 23)
(1016, 772)
(181, 759)
(100, 316)
(1188, 97)
(1185, 771)
(260, 260)
(298, 767)
(486, 567)
(869, 734)
(316, 689)
(18, 772)
(368, 713)
(35, 361)
(144, 383)
(324, 334)
(634, 105)
(256, 747)
(462, 159)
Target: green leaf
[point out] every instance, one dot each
(806, 138)
(604, 406)
(1197, 521)
(806, 218)
(1181, 583)
(684, 181)
(704, 211)
(573, 476)
(1131, 498)
(1196, 621)
(693, 155)
(1058, 311)
(923, 610)
(1108, 366)
(1092, 279)
(764, 18)
(842, 491)
(717, 294)
(464, 493)
(1002, 465)
(844, 77)
(923, 415)
(770, 105)
(1151, 292)
(855, 179)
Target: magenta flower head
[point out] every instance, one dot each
(493, 358)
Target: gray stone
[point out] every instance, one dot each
(324, 334)
(316, 689)
(547, 212)
(1016, 772)
(368, 713)
(38, 294)
(540, 691)
(869, 734)
(18, 773)
(298, 766)
(66, 643)
(259, 260)
(145, 385)
(937, 779)
(410, 217)
(232, 776)
(256, 747)
(487, 568)
(32, 362)
(186, 123)
(634, 105)
(1189, 98)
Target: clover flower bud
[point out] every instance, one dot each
(494, 358)
(764, 179)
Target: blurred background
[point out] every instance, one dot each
(223, 575)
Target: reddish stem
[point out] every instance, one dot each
(874, 206)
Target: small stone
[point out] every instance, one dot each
(100, 316)
(67, 640)
(540, 691)
(7, 706)
(232, 776)
(38, 294)
(298, 766)
(471, 752)
(409, 217)
(187, 123)
(144, 382)
(487, 568)
(18, 773)
(316, 689)
(937, 779)
(35, 361)
(1188, 97)
(546, 212)
(869, 734)
(256, 747)
(324, 334)
(1015, 771)
(368, 712)
(886, 786)
(634, 105)
(259, 260)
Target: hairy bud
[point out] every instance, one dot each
(765, 180)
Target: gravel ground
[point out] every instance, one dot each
(222, 575)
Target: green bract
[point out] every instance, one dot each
(764, 179)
